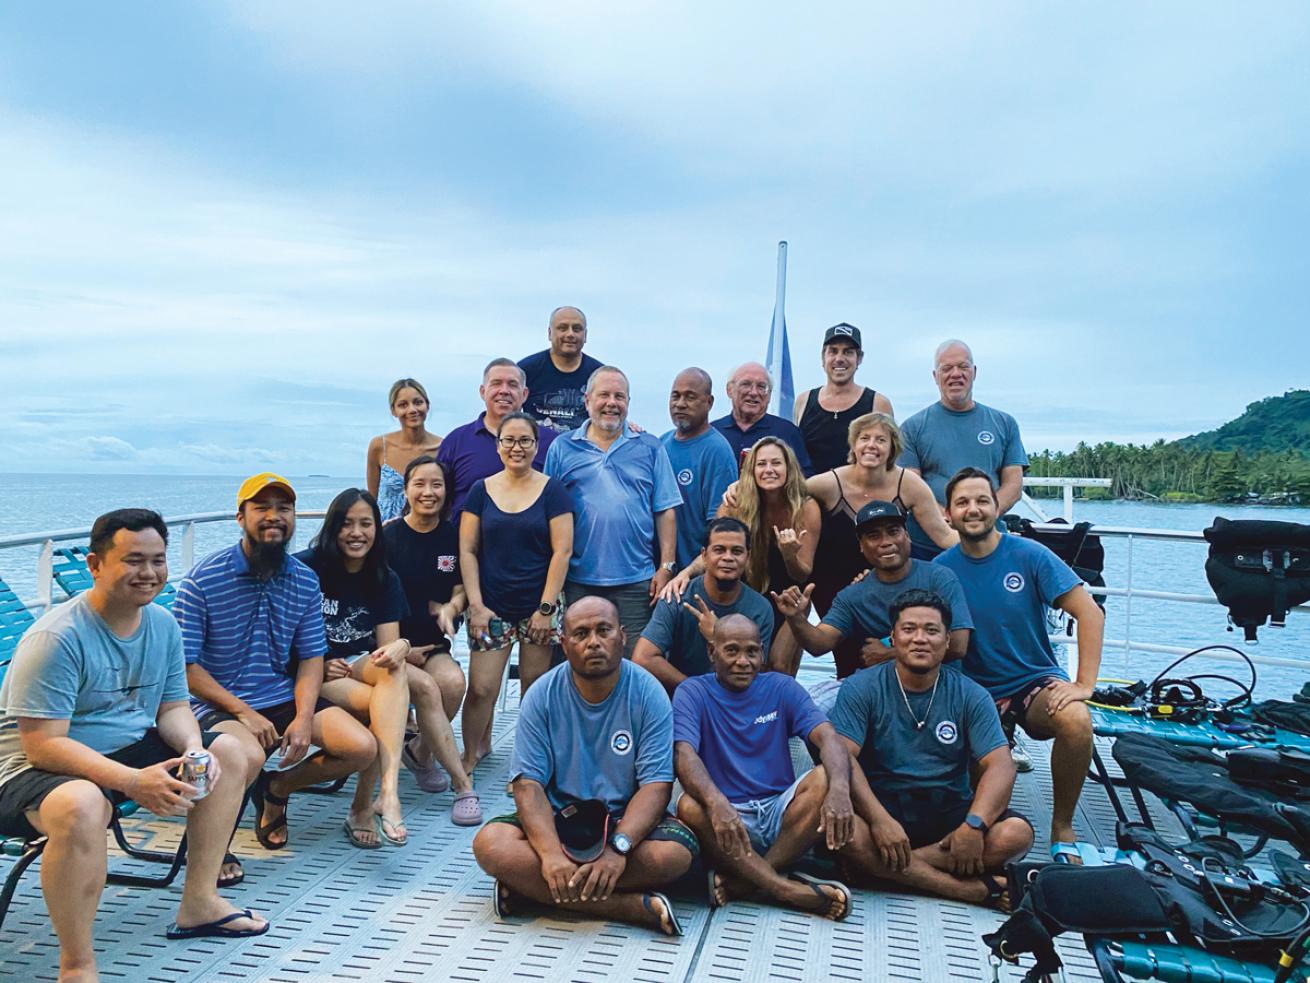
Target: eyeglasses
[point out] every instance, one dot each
(523, 443)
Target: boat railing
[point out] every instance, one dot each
(1128, 591)
(47, 541)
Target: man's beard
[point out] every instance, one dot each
(265, 559)
(976, 537)
(724, 586)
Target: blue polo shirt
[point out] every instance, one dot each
(705, 466)
(617, 493)
(470, 453)
(766, 426)
(243, 630)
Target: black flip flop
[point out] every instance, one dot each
(235, 879)
(998, 889)
(502, 899)
(675, 927)
(710, 874)
(817, 884)
(218, 929)
(258, 795)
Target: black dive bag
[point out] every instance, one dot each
(1258, 569)
(1199, 893)
(1076, 545)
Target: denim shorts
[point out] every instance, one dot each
(763, 817)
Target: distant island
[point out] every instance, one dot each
(1261, 457)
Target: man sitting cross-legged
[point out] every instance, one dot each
(593, 734)
(252, 627)
(94, 706)
(915, 730)
(753, 817)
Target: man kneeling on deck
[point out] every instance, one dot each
(94, 707)
(915, 730)
(592, 774)
(741, 798)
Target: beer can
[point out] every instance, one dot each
(195, 771)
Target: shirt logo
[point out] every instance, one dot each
(446, 564)
(986, 437)
(685, 476)
(767, 718)
(330, 605)
(621, 742)
(1013, 582)
(947, 732)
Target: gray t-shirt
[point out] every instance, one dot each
(862, 610)
(676, 633)
(70, 666)
(930, 763)
(939, 442)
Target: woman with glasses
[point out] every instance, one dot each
(515, 540)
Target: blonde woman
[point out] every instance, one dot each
(770, 498)
(389, 453)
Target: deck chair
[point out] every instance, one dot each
(71, 574)
(14, 620)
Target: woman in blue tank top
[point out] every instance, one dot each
(389, 453)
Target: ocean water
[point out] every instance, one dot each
(32, 503)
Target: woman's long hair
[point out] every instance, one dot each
(750, 507)
(332, 565)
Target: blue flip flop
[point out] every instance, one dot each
(218, 929)
(1068, 853)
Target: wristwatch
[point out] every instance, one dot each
(546, 608)
(671, 566)
(976, 822)
(621, 844)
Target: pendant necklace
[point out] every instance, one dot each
(918, 724)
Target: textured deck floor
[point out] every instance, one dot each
(424, 913)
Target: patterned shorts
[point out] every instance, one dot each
(502, 634)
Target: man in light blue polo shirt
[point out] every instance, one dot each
(956, 432)
(703, 460)
(252, 629)
(626, 494)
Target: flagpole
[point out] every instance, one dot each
(778, 359)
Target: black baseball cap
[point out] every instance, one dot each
(583, 829)
(843, 332)
(877, 511)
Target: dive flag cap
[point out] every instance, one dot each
(843, 332)
(583, 828)
(876, 512)
(256, 483)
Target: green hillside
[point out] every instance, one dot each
(1277, 423)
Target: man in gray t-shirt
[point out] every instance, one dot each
(915, 731)
(957, 432)
(94, 709)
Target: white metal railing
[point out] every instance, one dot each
(1129, 591)
(47, 540)
(1067, 484)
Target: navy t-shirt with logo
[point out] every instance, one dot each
(555, 397)
(1009, 591)
(352, 609)
(901, 760)
(742, 737)
(428, 566)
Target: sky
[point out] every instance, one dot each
(227, 227)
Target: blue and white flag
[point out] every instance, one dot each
(778, 359)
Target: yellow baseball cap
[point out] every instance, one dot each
(255, 484)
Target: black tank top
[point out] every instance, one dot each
(825, 431)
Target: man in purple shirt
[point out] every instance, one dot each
(753, 817)
(470, 451)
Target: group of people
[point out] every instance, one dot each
(668, 581)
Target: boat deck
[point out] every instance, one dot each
(424, 912)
